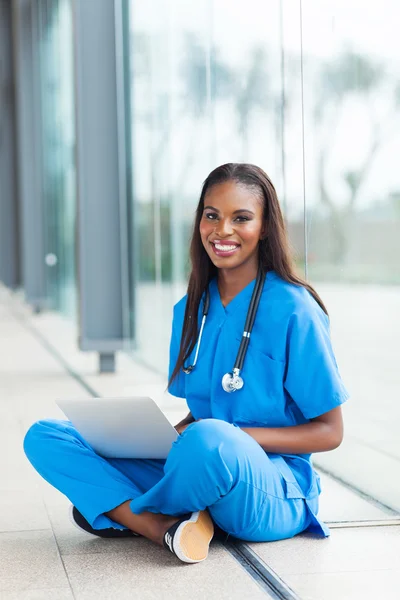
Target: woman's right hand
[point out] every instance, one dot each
(180, 428)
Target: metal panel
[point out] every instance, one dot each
(99, 236)
(29, 152)
(9, 268)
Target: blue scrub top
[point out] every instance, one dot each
(290, 372)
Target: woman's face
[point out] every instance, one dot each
(232, 225)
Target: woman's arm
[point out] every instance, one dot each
(321, 434)
(184, 423)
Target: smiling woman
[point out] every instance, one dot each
(290, 402)
(243, 459)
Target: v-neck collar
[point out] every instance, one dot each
(240, 298)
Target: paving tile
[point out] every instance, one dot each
(38, 594)
(156, 574)
(338, 503)
(48, 410)
(20, 511)
(9, 424)
(71, 540)
(11, 447)
(30, 560)
(370, 585)
(16, 474)
(353, 549)
(79, 543)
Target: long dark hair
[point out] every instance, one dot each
(274, 251)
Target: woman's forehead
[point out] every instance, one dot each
(231, 194)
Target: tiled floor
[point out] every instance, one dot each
(352, 563)
(42, 556)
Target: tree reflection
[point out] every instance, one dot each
(352, 76)
(177, 111)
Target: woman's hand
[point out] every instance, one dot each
(181, 426)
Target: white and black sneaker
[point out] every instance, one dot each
(189, 539)
(81, 523)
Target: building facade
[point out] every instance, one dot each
(112, 114)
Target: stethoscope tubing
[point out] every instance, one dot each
(250, 318)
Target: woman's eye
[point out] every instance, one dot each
(214, 217)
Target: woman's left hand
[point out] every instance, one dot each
(181, 428)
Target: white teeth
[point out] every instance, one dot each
(225, 247)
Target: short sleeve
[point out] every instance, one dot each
(312, 376)
(177, 387)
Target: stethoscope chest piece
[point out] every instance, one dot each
(232, 382)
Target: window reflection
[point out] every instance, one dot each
(313, 97)
(352, 136)
(205, 90)
(58, 142)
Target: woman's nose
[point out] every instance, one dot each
(224, 228)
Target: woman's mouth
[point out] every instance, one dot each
(224, 248)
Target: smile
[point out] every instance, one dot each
(224, 249)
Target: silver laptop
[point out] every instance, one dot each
(121, 427)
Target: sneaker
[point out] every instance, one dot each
(80, 522)
(190, 537)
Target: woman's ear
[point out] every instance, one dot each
(263, 233)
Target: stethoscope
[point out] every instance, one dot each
(233, 381)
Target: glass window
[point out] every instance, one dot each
(352, 139)
(310, 92)
(58, 148)
(205, 89)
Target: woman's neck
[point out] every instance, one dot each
(232, 281)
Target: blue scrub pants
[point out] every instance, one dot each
(213, 465)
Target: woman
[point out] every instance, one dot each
(242, 460)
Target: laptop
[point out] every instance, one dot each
(121, 427)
